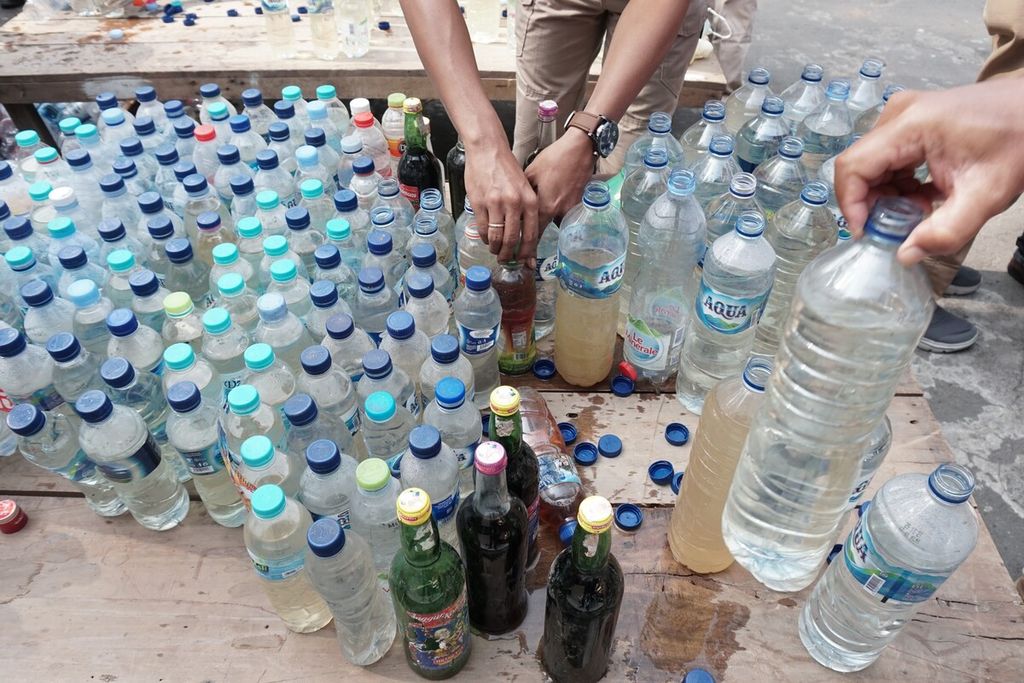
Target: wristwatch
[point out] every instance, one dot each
(603, 132)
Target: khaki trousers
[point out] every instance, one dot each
(558, 41)
(732, 51)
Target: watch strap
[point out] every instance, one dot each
(585, 121)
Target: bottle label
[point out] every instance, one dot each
(46, 399)
(860, 488)
(435, 641)
(204, 461)
(280, 568)
(444, 510)
(533, 519)
(412, 193)
(519, 350)
(234, 466)
(652, 350)
(547, 269)
(395, 148)
(555, 468)
(159, 433)
(344, 517)
(412, 404)
(230, 380)
(726, 314)
(477, 341)
(289, 201)
(158, 369)
(5, 402)
(466, 455)
(887, 582)
(352, 420)
(593, 283)
(79, 468)
(136, 466)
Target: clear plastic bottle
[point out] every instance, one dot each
(115, 236)
(866, 92)
(432, 206)
(219, 117)
(696, 139)
(224, 344)
(270, 375)
(91, 311)
(294, 290)
(66, 140)
(140, 346)
(379, 374)
(192, 428)
(75, 370)
(426, 305)
(340, 236)
(210, 94)
(26, 371)
(639, 190)
(854, 324)
(671, 242)
(331, 388)
(319, 118)
(13, 189)
(365, 180)
(160, 232)
(324, 296)
(917, 531)
(424, 261)
(431, 465)
(336, 110)
(330, 268)
(374, 303)
(546, 281)
(247, 416)
(262, 463)
(408, 346)
(292, 94)
(426, 234)
(238, 300)
(271, 214)
(226, 260)
(867, 119)
(187, 274)
(341, 568)
(739, 269)
(351, 149)
(745, 102)
(389, 196)
(260, 115)
(445, 361)
(182, 323)
(781, 178)
(84, 177)
(182, 364)
(121, 264)
(182, 170)
(328, 485)
(327, 158)
(76, 266)
(50, 441)
(20, 232)
(276, 248)
(145, 166)
(47, 314)
(27, 142)
(205, 155)
(759, 138)
(283, 145)
(200, 201)
(275, 530)
(271, 176)
(243, 202)
(374, 512)
(723, 211)
(658, 136)
(185, 139)
(478, 319)
(306, 424)
(148, 298)
(230, 166)
(250, 243)
(304, 236)
(311, 165)
(63, 233)
(828, 130)
(459, 425)
(375, 144)
(246, 140)
(876, 448)
(347, 344)
(798, 233)
(314, 210)
(381, 254)
(804, 96)
(346, 206)
(591, 255)
(117, 440)
(281, 329)
(27, 270)
(65, 202)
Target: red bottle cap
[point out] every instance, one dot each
(205, 133)
(363, 119)
(12, 517)
(626, 369)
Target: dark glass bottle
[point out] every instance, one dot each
(585, 589)
(521, 473)
(495, 540)
(418, 168)
(517, 291)
(428, 588)
(547, 129)
(455, 163)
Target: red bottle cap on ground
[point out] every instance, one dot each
(626, 369)
(12, 517)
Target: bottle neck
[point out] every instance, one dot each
(590, 551)
(507, 430)
(547, 134)
(415, 138)
(421, 544)
(490, 497)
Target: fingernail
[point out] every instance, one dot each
(909, 254)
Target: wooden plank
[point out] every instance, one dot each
(185, 605)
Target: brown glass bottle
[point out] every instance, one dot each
(517, 291)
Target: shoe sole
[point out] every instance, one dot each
(946, 347)
(955, 290)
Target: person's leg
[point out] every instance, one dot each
(557, 41)
(732, 51)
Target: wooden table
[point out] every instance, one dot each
(86, 598)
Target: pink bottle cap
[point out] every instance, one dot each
(490, 458)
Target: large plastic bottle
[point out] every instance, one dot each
(723, 211)
(445, 360)
(425, 260)
(333, 391)
(91, 311)
(591, 255)
(281, 329)
(47, 314)
(386, 427)
(375, 144)
(187, 274)
(328, 485)
(759, 138)
(829, 129)
(26, 371)
(247, 416)
(223, 346)
(697, 138)
(695, 533)
(262, 463)
(804, 96)
(798, 233)
(478, 320)
(459, 424)
(739, 269)
(781, 178)
(347, 344)
(745, 102)
(917, 531)
(374, 516)
(546, 281)
(428, 306)
(854, 324)
(374, 303)
(558, 481)
(381, 253)
(407, 345)
(658, 136)
(239, 301)
(269, 375)
(639, 190)
(866, 91)
(76, 370)
(670, 244)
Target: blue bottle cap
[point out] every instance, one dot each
(323, 456)
(130, 147)
(300, 410)
(239, 123)
(143, 282)
(698, 676)
(345, 200)
(362, 165)
(425, 441)
(178, 250)
(567, 531)
(183, 397)
(93, 406)
(450, 392)
(384, 25)
(26, 419)
(83, 293)
(183, 169)
(862, 508)
(569, 432)
(485, 418)
(209, 90)
(420, 286)
(478, 278)
(106, 100)
(327, 256)
(340, 326)
(323, 293)
(76, 158)
(544, 368)
(585, 453)
(36, 293)
(622, 386)
(267, 159)
(676, 433)
(836, 549)
(315, 137)
(401, 325)
(315, 360)
(174, 109)
(195, 183)
(12, 342)
(144, 125)
(160, 227)
(677, 481)
(228, 154)
(396, 467)
(326, 537)
(297, 217)
(241, 185)
(278, 130)
(610, 446)
(150, 202)
(117, 372)
(371, 279)
(661, 472)
(18, 228)
(377, 364)
(628, 517)
(423, 255)
(379, 242)
(63, 347)
(72, 258)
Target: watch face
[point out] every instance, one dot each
(606, 136)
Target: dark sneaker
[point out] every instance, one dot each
(967, 281)
(948, 333)
(1016, 266)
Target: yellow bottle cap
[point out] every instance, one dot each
(413, 507)
(504, 401)
(595, 514)
(177, 304)
(412, 105)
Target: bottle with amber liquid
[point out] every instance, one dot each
(517, 292)
(522, 471)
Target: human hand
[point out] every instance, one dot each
(972, 138)
(503, 201)
(559, 174)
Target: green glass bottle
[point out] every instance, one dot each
(428, 588)
(522, 472)
(585, 589)
(418, 168)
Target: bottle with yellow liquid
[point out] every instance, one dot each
(695, 533)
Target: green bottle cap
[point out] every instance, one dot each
(372, 474)
(396, 99)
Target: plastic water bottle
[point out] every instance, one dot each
(328, 485)
(426, 305)
(47, 314)
(431, 465)
(185, 139)
(121, 264)
(230, 166)
(76, 266)
(336, 110)
(867, 119)
(160, 231)
(247, 416)
(276, 248)
(373, 303)
(885, 574)
(364, 182)
(271, 214)
(275, 530)
(347, 344)
(739, 269)
(781, 178)
(281, 329)
(331, 388)
(187, 274)
(671, 242)
(115, 127)
(63, 233)
(759, 138)
(385, 427)
(658, 136)
(243, 201)
(314, 210)
(327, 158)
(117, 440)
(271, 176)
(65, 201)
(389, 195)
(546, 281)
(432, 206)
(374, 511)
(478, 320)
(91, 311)
(148, 299)
(723, 211)
(320, 119)
(192, 428)
(311, 165)
(324, 296)
(810, 435)
(804, 96)
(145, 166)
(798, 233)
(383, 219)
(591, 255)
(306, 424)
(224, 344)
(829, 129)
(269, 375)
(220, 120)
(340, 236)
(876, 448)
(75, 370)
(247, 141)
(696, 139)
(375, 144)
(458, 423)
(27, 371)
(392, 122)
(182, 322)
(303, 236)
(745, 102)
(140, 346)
(639, 190)
(84, 177)
(13, 189)
(408, 346)
(295, 291)
(226, 260)
(260, 115)
(200, 201)
(238, 300)
(330, 268)
(262, 463)
(379, 374)
(282, 144)
(425, 262)
(205, 156)
(181, 364)
(210, 94)
(340, 566)
(445, 361)
(381, 254)
(27, 270)
(115, 236)
(249, 247)
(351, 150)
(866, 92)
(50, 441)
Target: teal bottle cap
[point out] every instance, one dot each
(230, 284)
(216, 320)
(379, 406)
(243, 399)
(257, 451)
(45, 155)
(258, 356)
(311, 188)
(19, 258)
(266, 200)
(338, 229)
(225, 254)
(60, 227)
(179, 356)
(275, 245)
(268, 501)
(283, 270)
(326, 92)
(120, 260)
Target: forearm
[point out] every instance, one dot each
(444, 47)
(642, 38)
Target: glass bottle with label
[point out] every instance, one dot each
(517, 291)
(494, 533)
(275, 536)
(522, 471)
(585, 588)
(418, 168)
(428, 588)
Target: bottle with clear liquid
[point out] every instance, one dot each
(866, 120)
(141, 346)
(723, 211)
(226, 259)
(243, 202)
(671, 243)
(247, 416)
(855, 321)
(915, 534)
(224, 344)
(328, 485)
(781, 178)
(281, 329)
(546, 281)
(50, 441)
(284, 280)
(432, 206)
(276, 248)
(330, 268)
(828, 130)
(445, 361)
(75, 370)
(739, 269)
(696, 139)
(379, 374)
(247, 141)
(351, 149)
(877, 448)
(427, 306)
(114, 236)
(425, 262)
(260, 115)
(229, 166)
(364, 181)
(185, 139)
(192, 428)
(271, 176)
(407, 345)
(459, 424)
(27, 270)
(205, 156)
(478, 320)
(866, 92)
(314, 210)
(431, 465)
(20, 232)
(374, 303)
(271, 214)
(375, 144)
(307, 425)
(347, 344)
(182, 322)
(547, 126)
(340, 567)
(117, 440)
(326, 303)
(332, 390)
(327, 158)
(282, 144)
(275, 537)
(121, 264)
(311, 165)
(186, 273)
(26, 371)
(262, 463)
(798, 233)
(91, 311)
(804, 96)
(250, 242)
(63, 233)
(591, 255)
(269, 375)
(340, 236)
(181, 364)
(381, 254)
(239, 301)
(386, 427)
(658, 136)
(393, 213)
(759, 138)
(639, 190)
(84, 177)
(320, 118)
(695, 532)
(46, 315)
(745, 102)
(373, 514)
